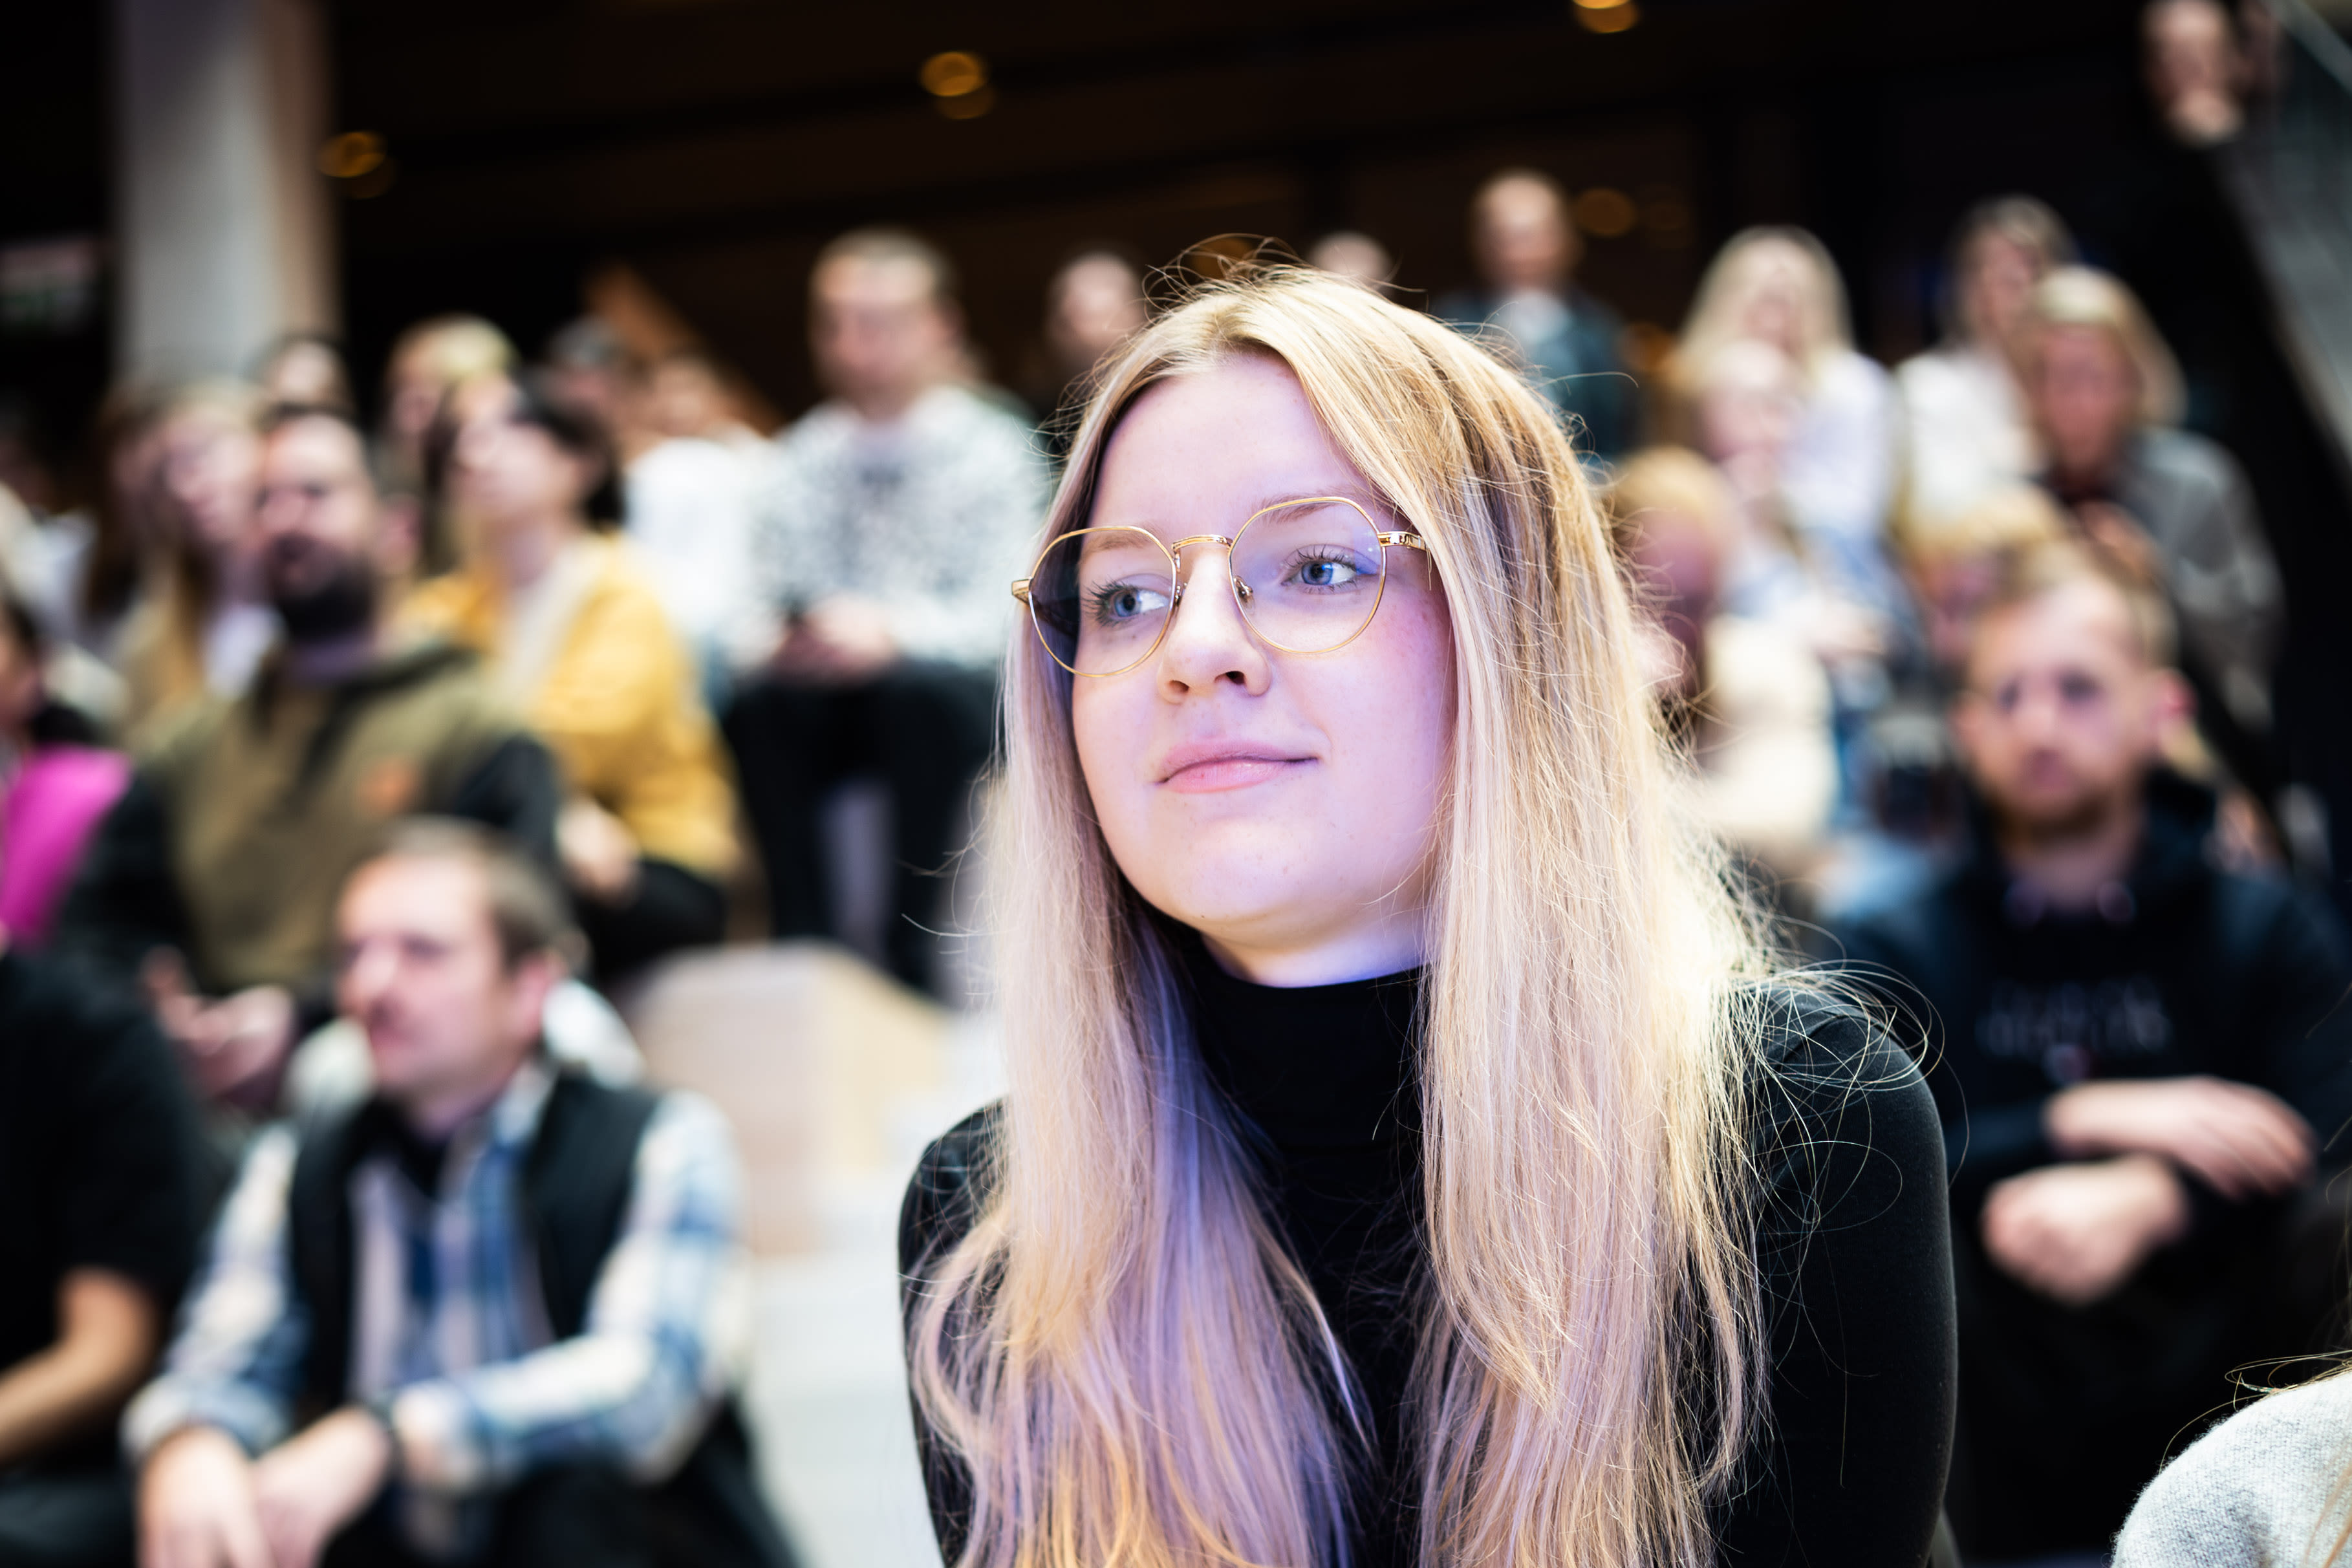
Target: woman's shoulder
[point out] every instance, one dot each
(2257, 1489)
(1830, 1087)
(944, 1196)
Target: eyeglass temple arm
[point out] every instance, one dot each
(1021, 589)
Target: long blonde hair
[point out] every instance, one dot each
(1121, 1351)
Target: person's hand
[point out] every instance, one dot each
(599, 853)
(846, 638)
(309, 1486)
(2240, 1141)
(196, 1505)
(2076, 1232)
(232, 1048)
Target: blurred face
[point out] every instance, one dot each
(1097, 301)
(306, 373)
(1768, 296)
(318, 528)
(683, 398)
(207, 465)
(1284, 805)
(1671, 559)
(1997, 287)
(1749, 407)
(505, 472)
(2191, 49)
(2063, 716)
(419, 970)
(1523, 239)
(879, 331)
(2085, 397)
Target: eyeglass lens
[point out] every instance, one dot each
(1307, 575)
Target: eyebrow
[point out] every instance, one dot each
(1363, 497)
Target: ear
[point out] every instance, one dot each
(535, 978)
(2171, 702)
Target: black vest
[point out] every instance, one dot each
(576, 1183)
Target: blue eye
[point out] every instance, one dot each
(1336, 570)
(1118, 603)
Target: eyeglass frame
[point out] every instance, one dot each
(1234, 586)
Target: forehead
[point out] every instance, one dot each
(2085, 624)
(443, 896)
(874, 280)
(1213, 445)
(310, 446)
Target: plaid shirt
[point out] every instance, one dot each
(449, 1333)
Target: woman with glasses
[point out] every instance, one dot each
(1409, 1156)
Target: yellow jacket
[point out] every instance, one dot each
(612, 693)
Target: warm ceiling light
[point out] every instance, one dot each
(352, 154)
(954, 74)
(1610, 17)
(1605, 213)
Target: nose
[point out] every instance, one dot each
(367, 979)
(1208, 641)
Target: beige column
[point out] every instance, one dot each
(223, 234)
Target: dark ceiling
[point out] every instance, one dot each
(712, 144)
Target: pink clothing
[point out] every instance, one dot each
(48, 815)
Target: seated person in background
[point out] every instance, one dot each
(203, 621)
(579, 644)
(687, 505)
(891, 513)
(1966, 434)
(98, 1229)
(2137, 1056)
(1094, 303)
(2107, 394)
(55, 783)
(1837, 464)
(215, 875)
(554, 1388)
(1564, 340)
(1750, 701)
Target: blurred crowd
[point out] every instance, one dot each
(353, 765)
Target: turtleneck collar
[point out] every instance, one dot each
(1314, 1067)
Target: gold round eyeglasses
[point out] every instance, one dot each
(1307, 575)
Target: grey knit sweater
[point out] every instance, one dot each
(2269, 1488)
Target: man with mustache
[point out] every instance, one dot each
(213, 880)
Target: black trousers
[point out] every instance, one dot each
(67, 1518)
(926, 729)
(587, 1516)
(673, 908)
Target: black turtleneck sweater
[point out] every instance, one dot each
(1851, 1240)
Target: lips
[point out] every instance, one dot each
(1203, 766)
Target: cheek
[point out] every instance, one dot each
(1110, 723)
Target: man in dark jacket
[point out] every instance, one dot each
(2139, 1057)
(214, 879)
(495, 1314)
(1564, 340)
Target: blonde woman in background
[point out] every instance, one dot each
(202, 626)
(1779, 287)
(2106, 397)
(1408, 1157)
